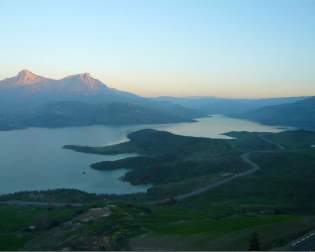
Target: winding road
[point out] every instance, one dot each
(245, 157)
(254, 167)
(277, 145)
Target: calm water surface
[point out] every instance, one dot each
(33, 159)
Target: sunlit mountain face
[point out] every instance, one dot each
(27, 85)
(25, 77)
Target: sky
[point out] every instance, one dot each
(225, 48)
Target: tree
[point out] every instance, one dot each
(254, 243)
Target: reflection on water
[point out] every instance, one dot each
(33, 159)
(215, 126)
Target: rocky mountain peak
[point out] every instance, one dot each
(85, 79)
(27, 77)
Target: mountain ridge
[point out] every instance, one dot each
(29, 86)
(299, 114)
(24, 77)
(30, 100)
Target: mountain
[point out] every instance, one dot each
(299, 114)
(24, 77)
(226, 106)
(30, 100)
(27, 86)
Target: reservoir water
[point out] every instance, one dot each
(33, 159)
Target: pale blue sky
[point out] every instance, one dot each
(227, 48)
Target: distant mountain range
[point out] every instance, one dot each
(299, 114)
(29, 88)
(227, 106)
(30, 100)
(288, 111)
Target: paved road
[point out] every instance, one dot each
(39, 204)
(277, 145)
(305, 243)
(245, 157)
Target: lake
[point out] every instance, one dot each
(33, 159)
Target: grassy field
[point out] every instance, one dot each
(15, 223)
(177, 228)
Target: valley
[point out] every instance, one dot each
(220, 218)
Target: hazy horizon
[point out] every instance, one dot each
(177, 96)
(239, 49)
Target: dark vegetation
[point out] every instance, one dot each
(154, 143)
(296, 139)
(168, 158)
(254, 243)
(53, 196)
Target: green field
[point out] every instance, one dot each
(198, 230)
(15, 222)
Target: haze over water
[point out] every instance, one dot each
(33, 159)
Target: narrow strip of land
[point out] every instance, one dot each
(39, 204)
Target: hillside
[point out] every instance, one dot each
(227, 106)
(30, 100)
(169, 158)
(299, 114)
